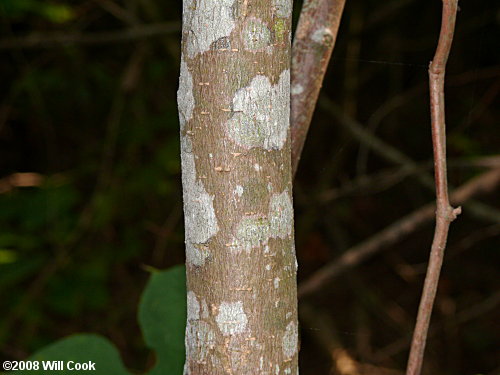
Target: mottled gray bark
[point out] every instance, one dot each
(234, 106)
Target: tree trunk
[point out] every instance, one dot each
(234, 106)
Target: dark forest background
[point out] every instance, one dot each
(90, 194)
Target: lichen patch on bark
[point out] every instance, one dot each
(200, 337)
(199, 215)
(200, 340)
(204, 309)
(283, 8)
(276, 282)
(281, 215)
(239, 190)
(185, 96)
(323, 35)
(193, 306)
(231, 318)
(251, 232)
(297, 89)
(290, 340)
(256, 35)
(200, 25)
(254, 230)
(259, 117)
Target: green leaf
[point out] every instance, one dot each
(162, 317)
(80, 349)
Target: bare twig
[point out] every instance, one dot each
(485, 182)
(385, 179)
(473, 312)
(445, 214)
(312, 47)
(38, 40)
(394, 155)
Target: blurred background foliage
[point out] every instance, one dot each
(90, 194)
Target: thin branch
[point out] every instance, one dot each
(39, 40)
(445, 214)
(385, 179)
(483, 183)
(392, 154)
(312, 48)
(472, 312)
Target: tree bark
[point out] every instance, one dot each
(312, 48)
(234, 108)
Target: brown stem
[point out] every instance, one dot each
(445, 214)
(485, 182)
(312, 47)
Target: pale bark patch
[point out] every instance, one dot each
(193, 306)
(210, 21)
(185, 96)
(204, 309)
(281, 215)
(200, 340)
(297, 89)
(283, 8)
(276, 282)
(252, 231)
(261, 113)
(239, 190)
(256, 35)
(231, 318)
(290, 340)
(200, 337)
(323, 36)
(199, 214)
